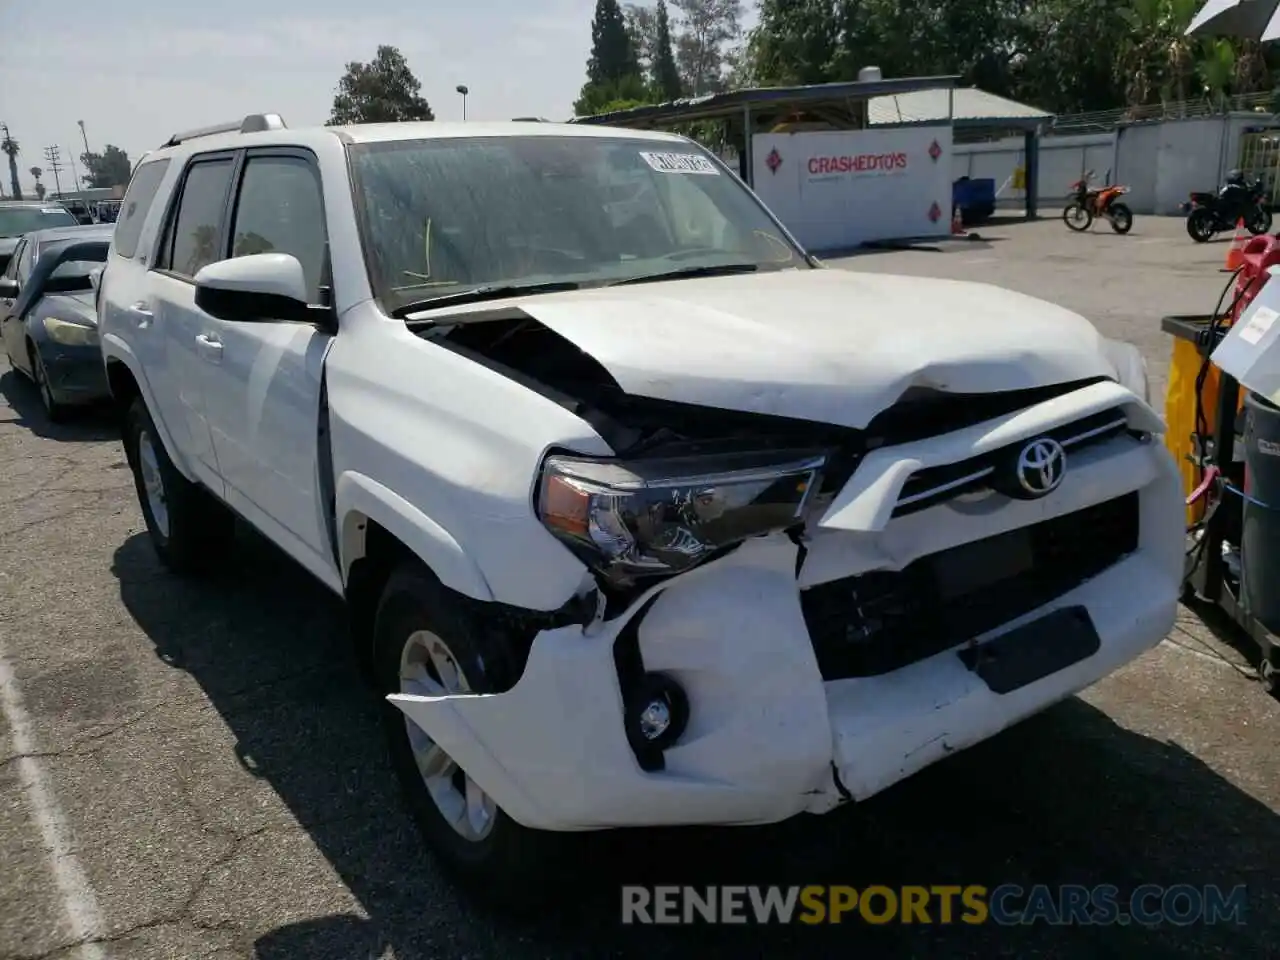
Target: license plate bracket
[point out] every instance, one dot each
(1033, 651)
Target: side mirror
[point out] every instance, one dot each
(262, 287)
(8, 288)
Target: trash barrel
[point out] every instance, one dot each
(1260, 539)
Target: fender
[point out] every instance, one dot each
(358, 495)
(114, 348)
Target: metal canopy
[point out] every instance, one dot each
(730, 105)
(969, 109)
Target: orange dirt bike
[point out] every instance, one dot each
(1088, 203)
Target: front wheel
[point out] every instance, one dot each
(426, 643)
(1121, 218)
(1077, 217)
(1259, 221)
(1200, 225)
(53, 410)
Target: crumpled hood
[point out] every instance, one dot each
(830, 345)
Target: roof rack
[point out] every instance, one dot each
(253, 123)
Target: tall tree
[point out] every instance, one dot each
(110, 168)
(664, 74)
(706, 29)
(612, 55)
(384, 90)
(793, 43)
(642, 27)
(11, 150)
(36, 174)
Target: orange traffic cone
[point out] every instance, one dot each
(1235, 253)
(957, 224)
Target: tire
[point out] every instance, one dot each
(507, 861)
(1259, 222)
(1200, 225)
(190, 530)
(1077, 217)
(54, 411)
(1121, 218)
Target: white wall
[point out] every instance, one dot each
(1063, 160)
(1137, 159)
(839, 189)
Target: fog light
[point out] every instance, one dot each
(657, 713)
(655, 719)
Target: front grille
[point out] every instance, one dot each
(881, 621)
(934, 485)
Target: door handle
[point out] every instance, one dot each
(141, 315)
(209, 348)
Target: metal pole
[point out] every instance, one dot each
(464, 90)
(746, 147)
(75, 176)
(84, 136)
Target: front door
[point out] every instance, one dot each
(263, 394)
(12, 344)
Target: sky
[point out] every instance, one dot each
(137, 71)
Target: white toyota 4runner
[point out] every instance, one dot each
(642, 516)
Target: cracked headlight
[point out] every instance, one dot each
(70, 334)
(1130, 366)
(629, 519)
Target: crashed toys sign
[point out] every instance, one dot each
(862, 164)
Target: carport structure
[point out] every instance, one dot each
(855, 105)
(746, 112)
(975, 115)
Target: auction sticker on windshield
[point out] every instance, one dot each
(680, 163)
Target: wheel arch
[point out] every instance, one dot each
(379, 530)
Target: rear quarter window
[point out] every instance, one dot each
(137, 203)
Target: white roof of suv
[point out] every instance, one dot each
(270, 129)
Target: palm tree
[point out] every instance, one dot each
(11, 150)
(36, 174)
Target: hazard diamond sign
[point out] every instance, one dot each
(935, 212)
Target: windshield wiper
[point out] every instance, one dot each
(715, 270)
(480, 294)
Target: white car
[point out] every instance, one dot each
(641, 520)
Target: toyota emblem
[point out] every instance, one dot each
(1041, 466)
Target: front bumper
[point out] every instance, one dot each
(76, 374)
(768, 737)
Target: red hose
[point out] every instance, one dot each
(1210, 475)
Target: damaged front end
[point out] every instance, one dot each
(701, 691)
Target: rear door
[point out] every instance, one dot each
(194, 235)
(263, 390)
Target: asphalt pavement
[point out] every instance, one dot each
(191, 769)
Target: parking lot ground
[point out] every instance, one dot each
(190, 769)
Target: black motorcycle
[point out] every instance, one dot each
(1213, 213)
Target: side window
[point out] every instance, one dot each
(280, 210)
(11, 271)
(194, 239)
(137, 203)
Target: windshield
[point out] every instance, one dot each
(444, 216)
(15, 221)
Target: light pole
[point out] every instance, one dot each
(462, 89)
